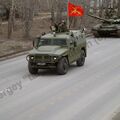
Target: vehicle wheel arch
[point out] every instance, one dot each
(62, 67)
(66, 56)
(84, 49)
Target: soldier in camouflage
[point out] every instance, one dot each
(62, 27)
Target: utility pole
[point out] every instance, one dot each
(68, 19)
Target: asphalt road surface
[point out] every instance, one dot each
(91, 92)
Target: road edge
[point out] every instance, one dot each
(13, 55)
(22, 52)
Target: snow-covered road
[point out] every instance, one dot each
(91, 92)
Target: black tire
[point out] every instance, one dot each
(62, 66)
(31, 69)
(118, 33)
(96, 34)
(81, 60)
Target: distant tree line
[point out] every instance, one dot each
(26, 9)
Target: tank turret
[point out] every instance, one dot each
(107, 27)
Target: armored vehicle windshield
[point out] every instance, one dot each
(56, 41)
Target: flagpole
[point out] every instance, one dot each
(68, 20)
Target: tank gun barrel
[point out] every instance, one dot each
(96, 17)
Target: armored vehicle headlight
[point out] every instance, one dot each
(55, 58)
(31, 57)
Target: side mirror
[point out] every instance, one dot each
(36, 42)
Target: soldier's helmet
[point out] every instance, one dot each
(63, 21)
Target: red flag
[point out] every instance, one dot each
(74, 10)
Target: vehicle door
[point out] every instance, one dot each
(72, 50)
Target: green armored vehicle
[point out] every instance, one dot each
(108, 27)
(57, 50)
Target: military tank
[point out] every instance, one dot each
(108, 27)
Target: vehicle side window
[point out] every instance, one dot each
(60, 42)
(44, 42)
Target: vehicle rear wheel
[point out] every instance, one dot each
(118, 33)
(81, 60)
(31, 69)
(96, 34)
(62, 66)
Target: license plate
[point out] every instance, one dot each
(40, 63)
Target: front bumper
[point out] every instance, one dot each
(42, 63)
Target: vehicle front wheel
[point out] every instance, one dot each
(118, 33)
(96, 34)
(81, 60)
(31, 69)
(62, 66)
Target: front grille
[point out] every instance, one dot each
(42, 58)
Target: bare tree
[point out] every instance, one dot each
(52, 7)
(59, 11)
(11, 18)
(0, 25)
(119, 8)
(101, 7)
(28, 16)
